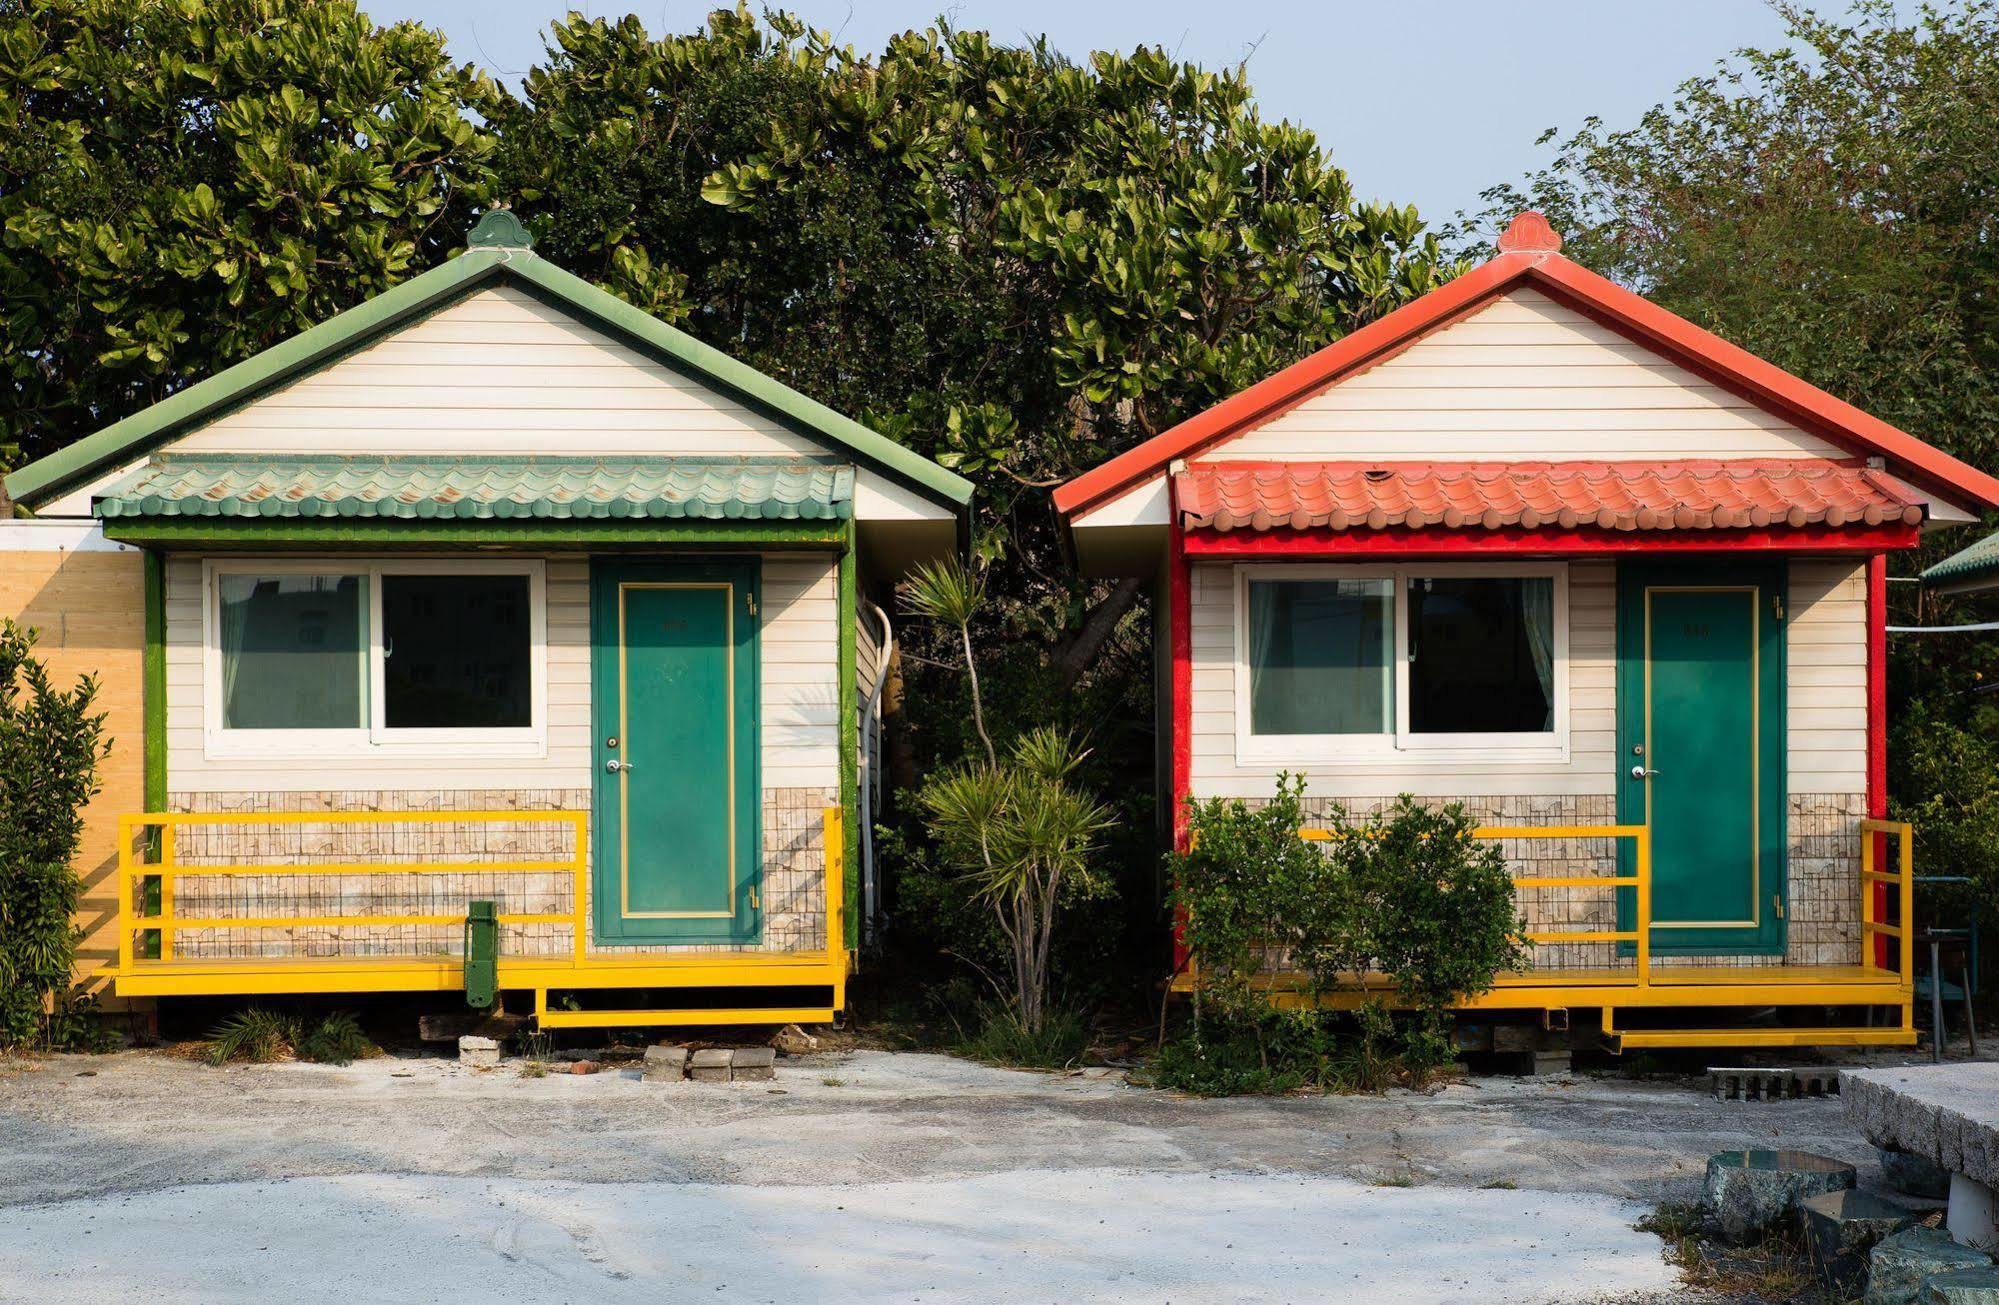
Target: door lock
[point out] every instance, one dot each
(1642, 772)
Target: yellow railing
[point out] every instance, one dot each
(160, 862)
(1902, 879)
(168, 870)
(1639, 935)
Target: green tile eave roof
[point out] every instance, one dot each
(341, 334)
(482, 488)
(1978, 561)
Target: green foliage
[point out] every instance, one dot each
(255, 1034)
(190, 181)
(1020, 838)
(1001, 1039)
(1945, 782)
(337, 1040)
(50, 746)
(1408, 894)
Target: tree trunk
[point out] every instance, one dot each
(900, 746)
(1082, 648)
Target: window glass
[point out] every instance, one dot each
(1481, 656)
(456, 652)
(1320, 657)
(294, 651)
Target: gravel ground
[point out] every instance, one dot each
(871, 1174)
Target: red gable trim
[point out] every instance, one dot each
(1579, 288)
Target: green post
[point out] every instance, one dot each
(850, 725)
(153, 697)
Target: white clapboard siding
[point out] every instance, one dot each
(801, 671)
(1590, 769)
(1826, 689)
(500, 372)
(799, 698)
(1524, 378)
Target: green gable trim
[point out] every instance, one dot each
(380, 532)
(1966, 567)
(347, 331)
(270, 486)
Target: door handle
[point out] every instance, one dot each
(614, 765)
(1641, 772)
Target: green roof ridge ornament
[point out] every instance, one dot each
(498, 228)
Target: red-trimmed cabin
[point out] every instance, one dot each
(1534, 543)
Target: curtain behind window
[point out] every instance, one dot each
(1320, 657)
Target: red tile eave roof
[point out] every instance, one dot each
(1649, 495)
(1632, 314)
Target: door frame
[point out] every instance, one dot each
(608, 575)
(1771, 576)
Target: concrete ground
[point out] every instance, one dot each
(862, 1175)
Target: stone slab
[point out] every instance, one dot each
(1947, 1114)
(1840, 1228)
(1961, 1287)
(1751, 1192)
(1899, 1264)
(710, 1065)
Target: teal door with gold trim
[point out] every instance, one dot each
(674, 709)
(1701, 750)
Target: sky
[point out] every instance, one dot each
(1423, 101)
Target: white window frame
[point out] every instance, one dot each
(375, 739)
(1402, 747)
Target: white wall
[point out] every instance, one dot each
(800, 696)
(500, 372)
(1826, 698)
(1524, 379)
(1826, 693)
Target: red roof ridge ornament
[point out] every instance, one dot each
(1530, 233)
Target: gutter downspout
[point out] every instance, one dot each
(870, 803)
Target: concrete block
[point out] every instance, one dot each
(1840, 1228)
(665, 1064)
(1898, 1265)
(1751, 1192)
(753, 1064)
(710, 1066)
(478, 1052)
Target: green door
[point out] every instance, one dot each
(674, 694)
(1700, 707)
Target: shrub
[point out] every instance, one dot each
(1014, 829)
(255, 1034)
(50, 745)
(1001, 1039)
(338, 1040)
(1409, 894)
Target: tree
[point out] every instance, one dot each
(185, 182)
(50, 744)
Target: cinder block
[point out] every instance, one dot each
(478, 1052)
(754, 1064)
(665, 1064)
(710, 1066)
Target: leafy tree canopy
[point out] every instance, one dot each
(185, 182)
(1016, 264)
